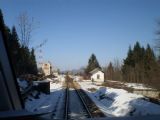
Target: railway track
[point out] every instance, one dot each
(84, 103)
(75, 103)
(66, 103)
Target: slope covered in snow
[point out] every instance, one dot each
(40, 102)
(118, 102)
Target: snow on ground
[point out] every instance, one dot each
(131, 85)
(41, 102)
(118, 102)
(23, 84)
(137, 86)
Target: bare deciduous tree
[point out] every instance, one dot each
(26, 27)
(117, 70)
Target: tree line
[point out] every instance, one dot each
(22, 58)
(140, 66)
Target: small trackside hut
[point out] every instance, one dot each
(97, 75)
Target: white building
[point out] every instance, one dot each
(46, 68)
(97, 75)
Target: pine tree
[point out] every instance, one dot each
(4, 29)
(33, 62)
(128, 64)
(133, 68)
(145, 68)
(149, 56)
(137, 52)
(2, 25)
(129, 60)
(92, 64)
(150, 61)
(14, 48)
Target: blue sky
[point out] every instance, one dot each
(77, 28)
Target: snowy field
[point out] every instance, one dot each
(40, 102)
(118, 102)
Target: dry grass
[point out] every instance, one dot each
(92, 89)
(117, 85)
(76, 85)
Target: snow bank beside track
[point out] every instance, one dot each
(118, 102)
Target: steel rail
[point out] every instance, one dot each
(84, 103)
(66, 102)
(66, 117)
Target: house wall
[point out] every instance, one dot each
(101, 76)
(46, 68)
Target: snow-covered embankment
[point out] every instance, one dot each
(118, 102)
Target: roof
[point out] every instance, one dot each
(95, 70)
